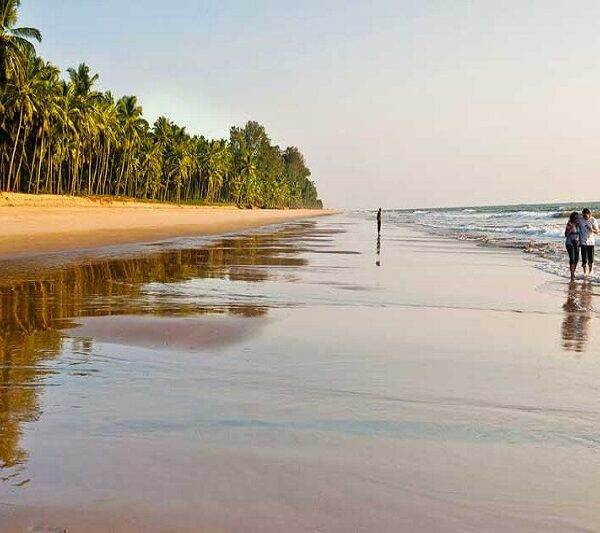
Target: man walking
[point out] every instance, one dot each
(588, 227)
(379, 222)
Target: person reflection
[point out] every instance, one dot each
(578, 317)
(378, 262)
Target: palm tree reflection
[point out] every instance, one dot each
(578, 317)
(34, 314)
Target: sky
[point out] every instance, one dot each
(394, 103)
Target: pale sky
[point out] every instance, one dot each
(393, 103)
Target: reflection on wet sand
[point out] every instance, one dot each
(37, 305)
(578, 316)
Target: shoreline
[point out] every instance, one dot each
(33, 225)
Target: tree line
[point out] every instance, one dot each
(62, 136)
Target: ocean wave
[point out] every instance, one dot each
(530, 229)
(484, 215)
(532, 214)
(525, 245)
(516, 231)
(514, 214)
(565, 213)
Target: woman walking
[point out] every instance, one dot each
(572, 242)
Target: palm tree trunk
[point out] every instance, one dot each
(39, 173)
(36, 145)
(18, 173)
(14, 152)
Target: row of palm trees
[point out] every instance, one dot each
(62, 136)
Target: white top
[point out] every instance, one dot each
(586, 237)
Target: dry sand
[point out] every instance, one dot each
(45, 223)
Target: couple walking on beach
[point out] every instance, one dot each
(579, 235)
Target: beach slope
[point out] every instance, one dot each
(45, 223)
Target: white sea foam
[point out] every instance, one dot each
(561, 269)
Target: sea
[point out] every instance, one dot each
(534, 229)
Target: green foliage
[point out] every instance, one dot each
(61, 136)
(15, 43)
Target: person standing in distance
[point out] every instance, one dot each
(588, 227)
(379, 222)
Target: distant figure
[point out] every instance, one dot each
(572, 242)
(379, 222)
(588, 227)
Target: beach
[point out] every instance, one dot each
(300, 377)
(34, 224)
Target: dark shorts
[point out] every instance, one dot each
(573, 250)
(587, 254)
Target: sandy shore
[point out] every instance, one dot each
(451, 388)
(45, 223)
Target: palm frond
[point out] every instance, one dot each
(8, 12)
(21, 45)
(27, 33)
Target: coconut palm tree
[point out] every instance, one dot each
(247, 191)
(83, 82)
(27, 96)
(217, 163)
(15, 43)
(133, 127)
(180, 161)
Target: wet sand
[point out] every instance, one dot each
(45, 223)
(304, 388)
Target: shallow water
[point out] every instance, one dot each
(303, 378)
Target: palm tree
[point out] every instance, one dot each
(133, 127)
(249, 178)
(108, 140)
(217, 164)
(15, 44)
(180, 161)
(27, 96)
(83, 82)
(151, 167)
